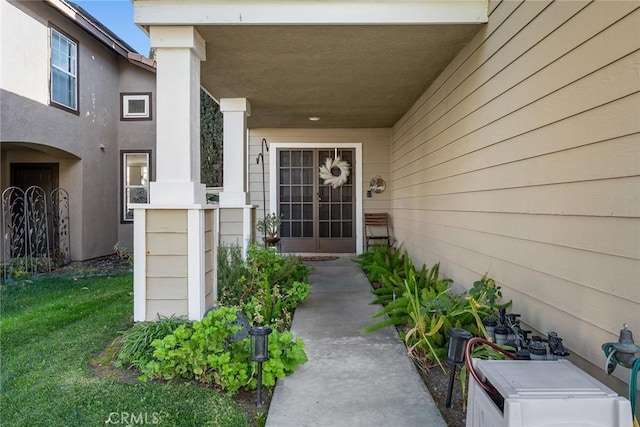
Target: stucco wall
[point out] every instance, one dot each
(27, 119)
(375, 159)
(135, 135)
(24, 56)
(523, 159)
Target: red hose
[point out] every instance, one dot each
(467, 358)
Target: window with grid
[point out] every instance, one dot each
(135, 181)
(296, 192)
(64, 68)
(336, 207)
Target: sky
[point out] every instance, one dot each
(117, 15)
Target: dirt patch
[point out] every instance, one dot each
(95, 267)
(437, 383)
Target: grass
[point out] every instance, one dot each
(51, 328)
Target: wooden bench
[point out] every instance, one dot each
(376, 227)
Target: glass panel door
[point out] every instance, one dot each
(315, 216)
(296, 199)
(336, 206)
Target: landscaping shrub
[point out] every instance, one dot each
(22, 268)
(382, 261)
(422, 305)
(268, 287)
(271, 291)
(203, 351)
(232, 273)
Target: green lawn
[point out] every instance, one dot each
(50, 329)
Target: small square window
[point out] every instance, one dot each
(135, 106)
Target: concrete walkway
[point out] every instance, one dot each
(351, 379)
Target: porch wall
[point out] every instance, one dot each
(523, 159)
(167, 263)
(375, 159)
(231, 226)
(165, 271)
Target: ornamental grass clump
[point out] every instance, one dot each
(136, 349)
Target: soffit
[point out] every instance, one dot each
(351, 76)
(353, 63)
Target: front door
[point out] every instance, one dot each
(315, 216)
(43, 175)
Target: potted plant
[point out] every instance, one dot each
(270, 227)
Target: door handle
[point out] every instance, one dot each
(319, 197)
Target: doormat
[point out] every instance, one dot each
(320, 258)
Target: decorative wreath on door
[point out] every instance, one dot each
(326, 171)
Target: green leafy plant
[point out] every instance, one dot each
(271, 292)
(22, 268)
(232, 273)
(204, 352)
(286, 353)
(382, 261)
(422, 305)
(398, 289)
(269, 225)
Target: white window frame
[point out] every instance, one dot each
(72, 73)
(125, 185)
(125, 114)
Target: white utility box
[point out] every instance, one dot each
(542, 393)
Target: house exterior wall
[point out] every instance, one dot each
(523, 160)
(135, 135)
(34, 131)
(375, 159)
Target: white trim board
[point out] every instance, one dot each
(273, 206)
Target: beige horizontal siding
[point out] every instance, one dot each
(166, 243)
(169, 288)
(522, 160)
(176, 308)
(167, 221)
(231, 226)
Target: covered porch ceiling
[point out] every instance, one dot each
(353, 64)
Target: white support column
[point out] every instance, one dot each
(169, 232)
(140, 265)
(196, 263)
(236, 111)
(179, 51)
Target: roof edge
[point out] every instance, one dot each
(101, 33)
